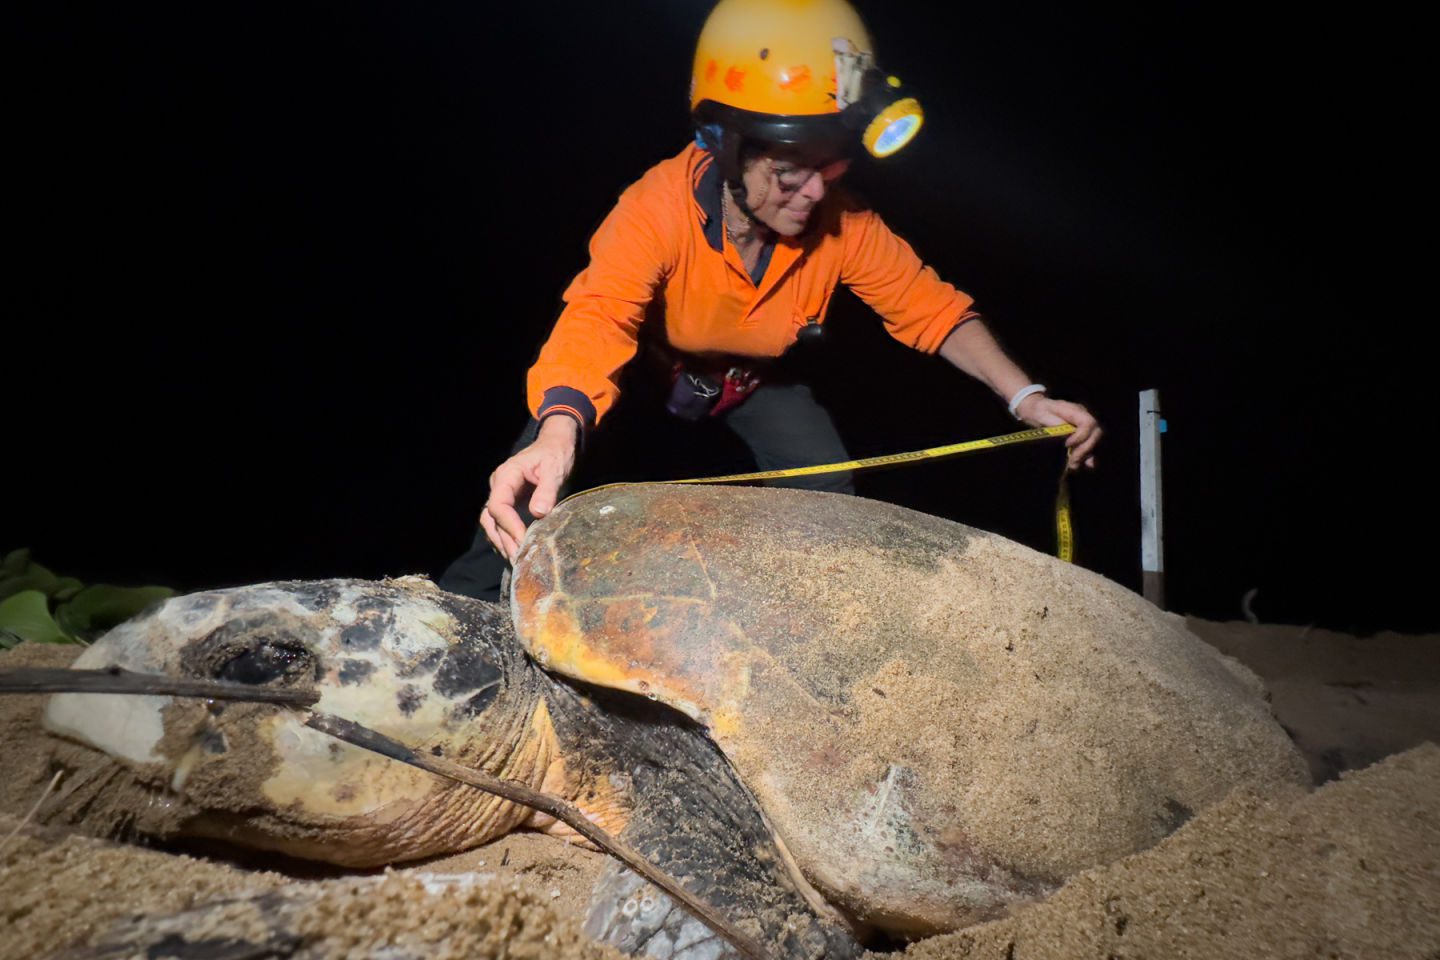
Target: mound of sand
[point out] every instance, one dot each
(100, 899)
(1348, 870)
(1346, 701)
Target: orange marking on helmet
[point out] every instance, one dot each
(710, 70)
(795, 79)
(735, 78)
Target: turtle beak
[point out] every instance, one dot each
(125, 726)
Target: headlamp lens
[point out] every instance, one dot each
(896, 135)
(894, 127)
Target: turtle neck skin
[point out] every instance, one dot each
(648, 775)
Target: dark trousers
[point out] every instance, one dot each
(782, 424)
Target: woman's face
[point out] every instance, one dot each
(782, 192)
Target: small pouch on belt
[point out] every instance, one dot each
(693, 395)
(739, 382)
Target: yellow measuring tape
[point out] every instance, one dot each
(933, 453)
(1064, 532)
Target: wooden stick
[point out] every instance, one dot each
(116, 680)
(357, 735)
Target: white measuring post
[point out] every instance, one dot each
(1152, 514)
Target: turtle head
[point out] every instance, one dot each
(426, 668)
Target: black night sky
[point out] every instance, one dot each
(277, 272)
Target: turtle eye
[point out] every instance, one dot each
(266, 661)
(257, 651)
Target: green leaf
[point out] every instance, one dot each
(103, 606)
(75, 623)
(66, 589)
(14, 562)
(35, 578)
(27, 615)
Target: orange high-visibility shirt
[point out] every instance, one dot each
(650, 256)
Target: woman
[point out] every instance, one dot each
(729, 252)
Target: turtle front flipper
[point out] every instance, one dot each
(638, 918)
(691, 817)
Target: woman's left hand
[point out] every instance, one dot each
(1038, 410)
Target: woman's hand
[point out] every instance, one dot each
(538, 471)
(1038, 410)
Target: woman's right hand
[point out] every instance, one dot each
(538, 470)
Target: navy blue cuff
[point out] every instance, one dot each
(569, 402)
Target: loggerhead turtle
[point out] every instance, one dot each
(924, 722)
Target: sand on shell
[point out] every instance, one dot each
(1348, 870)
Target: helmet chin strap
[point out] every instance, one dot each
(752, 228)
(732, 171)
(738, 196)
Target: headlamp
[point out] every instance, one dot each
(887, 117)
(893, 127)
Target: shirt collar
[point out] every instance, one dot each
(707, 194)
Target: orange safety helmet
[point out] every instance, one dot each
(797, 73)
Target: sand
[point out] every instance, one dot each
(1351, 870)
(82, 892)
(1347, 870)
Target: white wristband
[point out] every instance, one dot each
(1021, 394)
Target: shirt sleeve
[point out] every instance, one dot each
(596, 333)
(919, 309)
